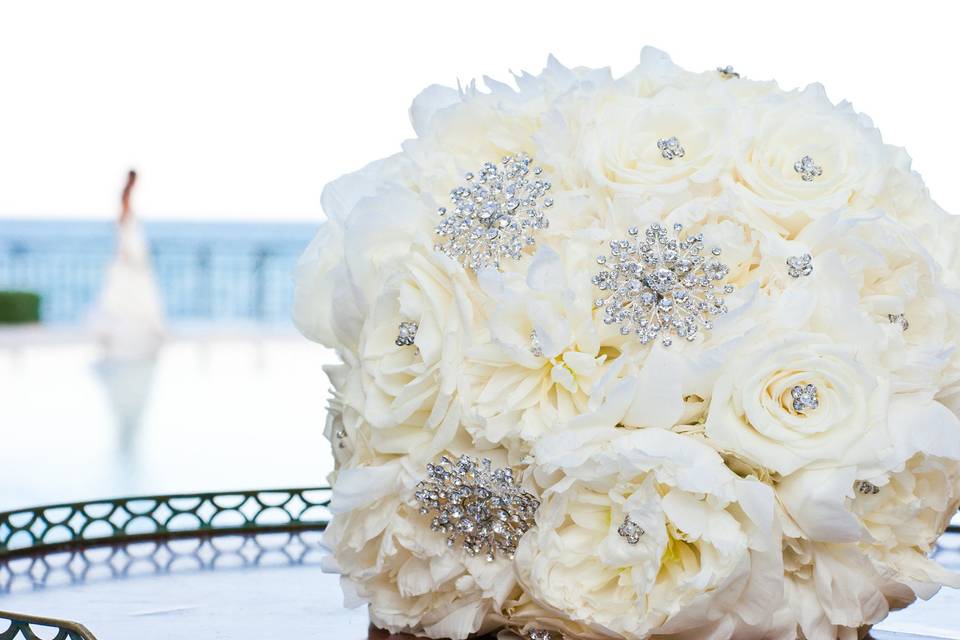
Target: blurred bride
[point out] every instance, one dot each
(128, 323)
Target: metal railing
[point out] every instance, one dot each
(199, 281)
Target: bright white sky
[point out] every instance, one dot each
(243, 110)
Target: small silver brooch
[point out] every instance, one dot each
(630, 530)
(535, 347)
(804, 398)
(727, 72)
(867, 488)
(900, 319)
(807, 169)
(406, 334)
(800, 265)
(670, 148)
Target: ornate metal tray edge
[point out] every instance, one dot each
(77, 525)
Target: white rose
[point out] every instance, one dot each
(619, 153)
(371, 217)
(783, 129)
(703, 562)
(402, 398)
(752, 411)
(410, 384)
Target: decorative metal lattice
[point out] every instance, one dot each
(29, 534)
(66, 526)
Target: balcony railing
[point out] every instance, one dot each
(200, 281)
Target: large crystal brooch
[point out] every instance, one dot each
(478, 506)
(495, 214)
(659, 283)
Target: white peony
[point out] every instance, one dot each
(544, 356)
(390, 559)
(707, 558)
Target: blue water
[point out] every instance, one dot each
(208, 272)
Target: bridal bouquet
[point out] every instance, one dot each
(671, 354)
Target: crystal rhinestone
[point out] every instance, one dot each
(535, 347)
(727, 72)
(407, 333)
(900, 319)
(630, 530)
(477, 506)
(670, 148)
(341, 435)
(867, 488)
(804, 398)
(494, 215)
(659, 283)
(800, 265)
(807, 169)
(543, 634)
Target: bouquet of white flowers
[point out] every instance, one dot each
(672, 354)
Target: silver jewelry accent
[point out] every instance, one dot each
(727, 72)
(495, 214)
(660, 283)
(630, 530)
(407, 334)
(807, 169)
(804, 398)
(899, 318)
(535, 347)
(866, 488)
(543, 634)
(670, 148)
(800, 265)
(341, 435)
(480, 506)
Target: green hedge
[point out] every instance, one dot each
(19, 307)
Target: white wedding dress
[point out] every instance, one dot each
(128, 324)
(128, 318)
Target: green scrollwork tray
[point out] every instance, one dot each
(30, 537)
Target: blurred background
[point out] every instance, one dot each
(157, 354)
